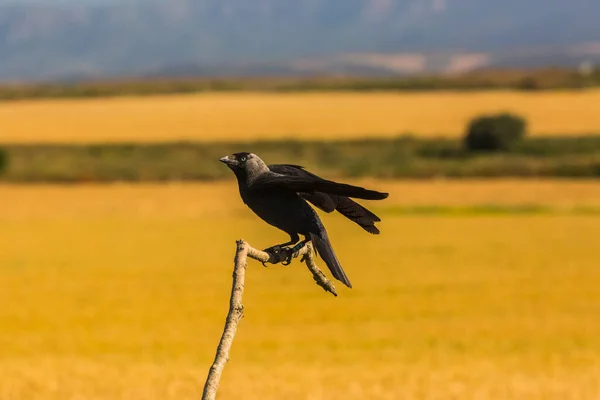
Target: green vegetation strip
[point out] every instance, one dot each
(401, 157)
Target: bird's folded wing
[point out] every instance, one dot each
(310, 184)
(323, 201)
(289, 169)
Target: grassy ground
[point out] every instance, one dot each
(244, 116)
(120, 292)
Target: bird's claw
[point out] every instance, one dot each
(273, 249)
(290, 254)
(278, 254)
(273, 252)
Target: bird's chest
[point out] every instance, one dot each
(285, 210)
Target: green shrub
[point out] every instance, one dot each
(528, 83)
(3, 160)
(494, 132)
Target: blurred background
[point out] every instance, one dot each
(117, 222)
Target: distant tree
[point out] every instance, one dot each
(528, 83)
(3, 160)
(494, 132)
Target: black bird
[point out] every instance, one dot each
(278, 195)
(329, 203)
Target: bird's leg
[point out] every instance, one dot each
(277, 248)
(295, 250)
(278, 253)
(300, 245)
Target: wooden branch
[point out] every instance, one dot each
(307, 255)
(236, 308)
(236, 313)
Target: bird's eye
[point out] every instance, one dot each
(243, 159)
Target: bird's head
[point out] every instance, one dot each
(245, 165)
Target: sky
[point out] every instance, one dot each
(59, 1)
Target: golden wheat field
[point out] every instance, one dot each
(250, 116)
(120, 292)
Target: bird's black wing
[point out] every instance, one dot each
(309, 184)
(357, 213)
(328, 203)
(323, 201)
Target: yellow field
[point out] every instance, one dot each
(120, 292)
(275, 116)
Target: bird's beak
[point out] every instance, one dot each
(228, 160)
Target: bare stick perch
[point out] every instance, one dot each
(236, 308)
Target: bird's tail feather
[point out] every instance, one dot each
(325, 251)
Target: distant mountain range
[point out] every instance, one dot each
(69, 39)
